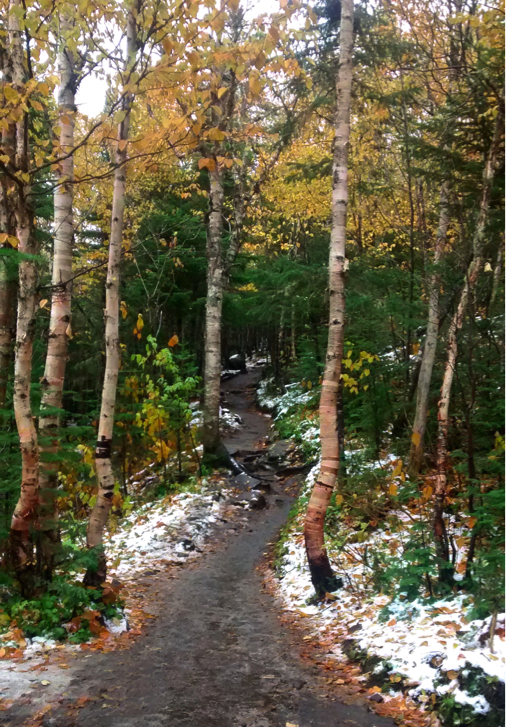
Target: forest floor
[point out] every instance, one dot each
(215, 650)
(427, 660)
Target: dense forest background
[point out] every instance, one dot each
(209, 176)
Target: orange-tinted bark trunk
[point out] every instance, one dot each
(321, 571)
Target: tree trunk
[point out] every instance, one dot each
(429, 349)
(24, 519)
(497, 278)
(7, 292)
(103, 452)
(8, 273)
(60, 320)
(474, 269)
(7, 295)
(319, 564)
(214, 305)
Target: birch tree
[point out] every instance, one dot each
(103, 451)
(430, 345)
(60, 318)
(234, 90)
(25, 513)
(7, 237)
(472, 274)
(319, 564)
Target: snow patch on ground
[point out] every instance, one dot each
(228, 420)
(170, 531)
(428, 646)
(280, 405)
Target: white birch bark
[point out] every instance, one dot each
(103, 452)
(319, 565)
(429, 349)
(60, 318)
(214, 305)
(24, 518)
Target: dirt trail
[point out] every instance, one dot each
(216, 655)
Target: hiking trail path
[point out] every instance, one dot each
(216, 653)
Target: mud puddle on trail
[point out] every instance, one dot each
(216, 654)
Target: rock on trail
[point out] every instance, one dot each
(216, 654)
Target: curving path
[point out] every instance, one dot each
(216, 655)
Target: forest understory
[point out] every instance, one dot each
(427, 653)
(48, 683)
(252, 423)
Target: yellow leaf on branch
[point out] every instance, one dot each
(11, 94)
(255, 85)
(167, 46)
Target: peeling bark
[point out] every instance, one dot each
(214, 305)
(103, 451)
(24, 519)
(473, 271)
(429, 349)
(321, 571)
(7, 294)
(7, 226)
(60, 319)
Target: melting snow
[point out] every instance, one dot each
(422, 642)
(419, 641)
(172, 530)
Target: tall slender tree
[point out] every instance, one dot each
(214, 305)
(430, 345)
(7, 230)
(319, 564)
(25, 514)
(472, 274)
(103, 451)
(60, 318)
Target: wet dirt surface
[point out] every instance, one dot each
(216, 654)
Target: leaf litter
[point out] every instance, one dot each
(423, 651)
(155, 538)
